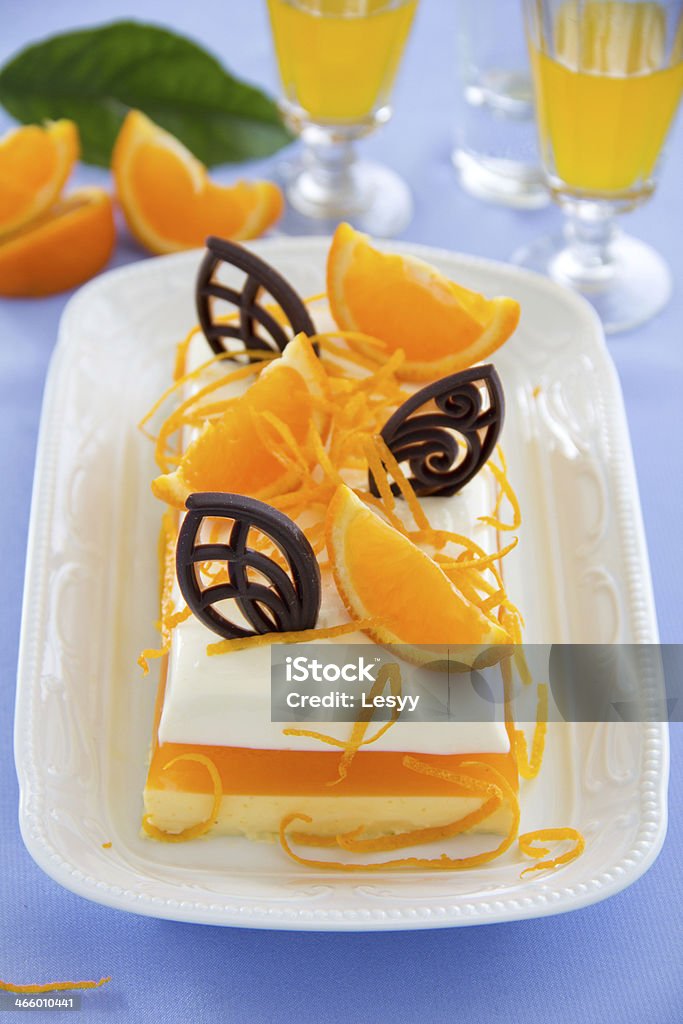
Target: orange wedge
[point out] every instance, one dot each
(407, 304)
(382, 575)
(168, 200)
(236, 452)
(64, 247)
(34, 164)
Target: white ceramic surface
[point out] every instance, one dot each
(84, 713)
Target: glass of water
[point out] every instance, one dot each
(496, 153)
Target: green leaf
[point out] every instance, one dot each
(95, 76)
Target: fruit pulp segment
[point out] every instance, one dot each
(397, 298)
(165, 184)
(441, 617)
(237, 458)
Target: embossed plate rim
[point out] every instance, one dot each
(359, 912)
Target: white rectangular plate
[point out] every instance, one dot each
(84, 713)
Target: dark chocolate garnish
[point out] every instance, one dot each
(287, 601)
(256, 327)
(425, 431)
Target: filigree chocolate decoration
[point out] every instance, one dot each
(270, 597)
(272, 335)
(447, 431)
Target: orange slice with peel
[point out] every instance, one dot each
(169, 201)
(64, 247)
(236, 453)
(380, 574)
(407, 304)
(35, 162)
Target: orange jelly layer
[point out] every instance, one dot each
(253, 772)
(258, 772)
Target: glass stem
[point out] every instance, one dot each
(329, 171)
(590, 233)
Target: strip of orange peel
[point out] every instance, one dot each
(329, 469)
(181, 381)
(202, 827)
(294, 637)
(389, 672)
(176, 419)
(542, 835)
(386, 496)
(529, 767)
(418, 836)
(442, 863)
(51, 986)
(387, 457)
(181, 351)
(506, 488)
(481, 561)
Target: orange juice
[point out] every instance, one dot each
(607, 96)
(338, 58)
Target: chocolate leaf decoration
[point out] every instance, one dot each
(288, 600)
(447, 431)
(260, 276)
(96, 75)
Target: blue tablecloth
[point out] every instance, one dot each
(619, 960)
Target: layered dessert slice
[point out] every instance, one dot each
(218, 706)
(365, 467)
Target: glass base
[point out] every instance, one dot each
(497, 180)
(372, 199)
(629, 290)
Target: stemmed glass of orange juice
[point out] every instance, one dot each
(608, 78)
(337, 61)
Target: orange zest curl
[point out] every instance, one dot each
(542, 835)
(481, 561)
(390, 673)
(497, 780)
(202, 827)
(506, 490)
(181, 417)
(529, 767)
(495, 788)
(181, 350)
(179, 381)
(51, 986)
(418, 836)
(294, 637)
(324, 461)
(387, 502)
(522, 666)
(405, 488)
(327, 342)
